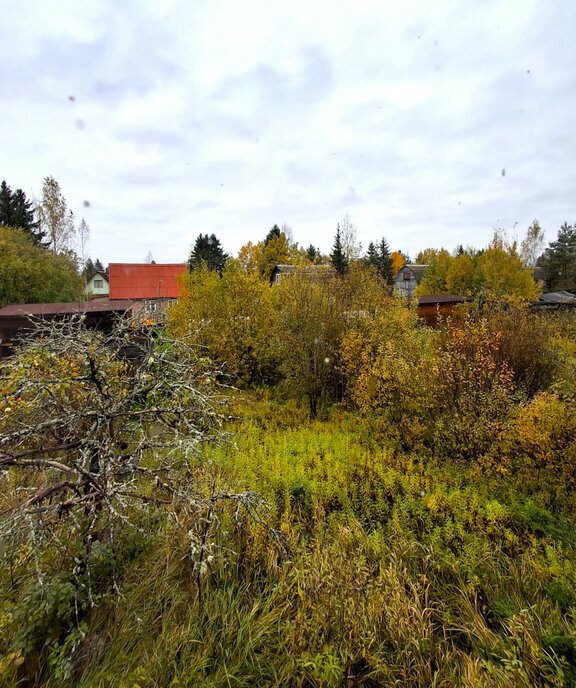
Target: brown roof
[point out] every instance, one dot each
(417, 270)
(102, 273)
(99, 306)
(438, 299)
(145, 280)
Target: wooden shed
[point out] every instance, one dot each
(408, 278)
(15, 320)
(433, 308)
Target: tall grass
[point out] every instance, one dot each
(395, 571)
(395, 566)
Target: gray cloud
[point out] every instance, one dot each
(227, 119)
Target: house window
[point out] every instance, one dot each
(98, 284)
(406, 275)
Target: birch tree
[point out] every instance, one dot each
(56, 220)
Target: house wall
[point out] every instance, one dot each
(91, 287)
(405, 286)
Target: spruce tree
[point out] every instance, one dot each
(338, 257)
(385, 262)
(17, 211)
(88, 270)
(371, 257)
(274, 233)
(5, 205)
(207, 249)
(313, 254)
(560, 260)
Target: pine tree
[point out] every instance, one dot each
(207, 249)
(338, 257)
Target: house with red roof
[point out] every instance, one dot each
(155, 285)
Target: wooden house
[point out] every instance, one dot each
(408, 278)
(282, 271)
(98, 286)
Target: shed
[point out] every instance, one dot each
(433, 308)
(564, 297)
(15, 319)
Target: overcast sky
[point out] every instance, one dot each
(429, 123)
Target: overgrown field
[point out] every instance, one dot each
(420, 532)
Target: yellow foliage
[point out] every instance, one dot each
(231, 315)
(388, 366)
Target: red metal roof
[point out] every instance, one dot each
(145, 280)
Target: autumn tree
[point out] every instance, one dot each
(532, 244)
(95, 453)
(250, 256)
(310, 319)
(497, 271)
(231, 317)
(435, 277)
(427, 255)
(56, 220)
(462, 277)
(351, 247)
(277, 250)
(501, 272)
(30, 274)
(397, 263)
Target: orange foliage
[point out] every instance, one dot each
(397, 263)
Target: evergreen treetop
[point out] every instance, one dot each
(338, 257)
(207, 249)
(274, 233)
(379, 257)
(17, 211)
